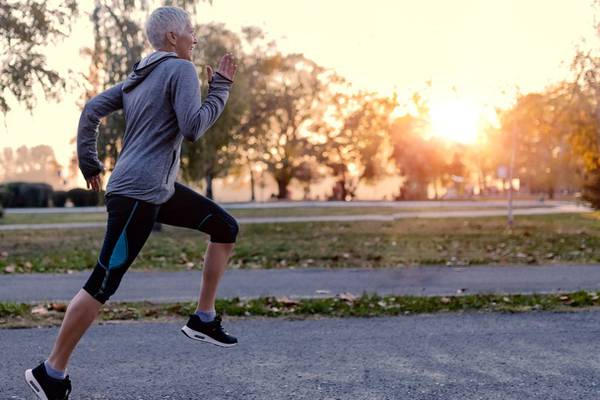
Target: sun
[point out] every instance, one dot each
(456, 121)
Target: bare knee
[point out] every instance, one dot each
(224, 247)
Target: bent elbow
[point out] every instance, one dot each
(89, 109)
(189, 136)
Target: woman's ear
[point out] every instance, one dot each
(172, 38)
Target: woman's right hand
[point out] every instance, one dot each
(95, 182)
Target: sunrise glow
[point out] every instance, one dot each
(456, 121)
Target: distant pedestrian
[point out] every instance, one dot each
(161, 103)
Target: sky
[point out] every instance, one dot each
(475, 53)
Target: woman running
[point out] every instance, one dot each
(161, 103)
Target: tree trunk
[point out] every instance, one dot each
(209, 186)
(482, 187)
(344, 189)
(252, 184)
(282, 185)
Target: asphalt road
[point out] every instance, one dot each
(315, 282)
(454, 356)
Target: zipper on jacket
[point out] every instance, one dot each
(170, 167)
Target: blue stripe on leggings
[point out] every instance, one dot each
(120, 252)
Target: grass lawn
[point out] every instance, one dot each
(20, 315)
(51, 218)
(564, 238)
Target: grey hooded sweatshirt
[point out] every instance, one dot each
(161, 103)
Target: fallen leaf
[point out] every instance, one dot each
(347, 296)
(60, 307)
(286, 301)
(9, 269)
(39, 310)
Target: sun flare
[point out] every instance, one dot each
(456, 121)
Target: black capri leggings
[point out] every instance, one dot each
(130, 222)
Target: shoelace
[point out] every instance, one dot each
(218, 326)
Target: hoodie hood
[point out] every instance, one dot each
(144, 67)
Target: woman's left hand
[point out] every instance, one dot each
(227, 66)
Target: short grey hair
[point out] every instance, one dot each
(164, 20)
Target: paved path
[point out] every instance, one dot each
(321, 204)
(558, 209)
(493, 356)
(315, 282)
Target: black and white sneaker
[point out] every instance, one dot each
(46, 387)
(210, 332)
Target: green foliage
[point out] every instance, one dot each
(26, 26)
(8, 309)
(287, 97)
(59, 198)
(584, 123)
(83, 198)
(539, 126)
(355, 149)
(25, 194)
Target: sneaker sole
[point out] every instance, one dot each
(194, 335)
(35, 385)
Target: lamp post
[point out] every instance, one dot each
(510, 177)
